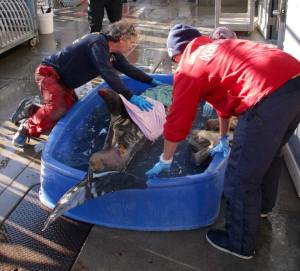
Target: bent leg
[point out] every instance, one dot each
(270, 181)
(269, 185)
(58, 99)
(257, 139)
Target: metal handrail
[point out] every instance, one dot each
(17, 22)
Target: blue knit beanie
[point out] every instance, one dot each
(179, 37)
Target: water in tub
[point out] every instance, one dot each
(90, 138)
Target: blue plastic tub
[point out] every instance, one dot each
(168, 204)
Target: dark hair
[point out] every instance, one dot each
(120, 29)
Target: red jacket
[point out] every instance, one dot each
(231, 74)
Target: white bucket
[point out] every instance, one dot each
(45, 22)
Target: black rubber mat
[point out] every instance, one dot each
(23, 246)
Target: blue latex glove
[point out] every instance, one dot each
(141, 102)
(160, 166)
(223, 147)
(156, 83)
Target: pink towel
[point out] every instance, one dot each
(151, 123)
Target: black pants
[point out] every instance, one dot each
(253, 168)
(96, 12)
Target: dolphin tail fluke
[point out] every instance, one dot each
(91, 188)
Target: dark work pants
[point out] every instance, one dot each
(251, 176)
(96, 12)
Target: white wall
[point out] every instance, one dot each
(291, 45)
(291, 42)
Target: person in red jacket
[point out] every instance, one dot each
(260, 85)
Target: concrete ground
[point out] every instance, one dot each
(106, 249)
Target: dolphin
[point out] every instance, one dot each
(201, 142)
(106, 170)
(98, 186)
(123, 140)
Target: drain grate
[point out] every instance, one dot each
(23, 246)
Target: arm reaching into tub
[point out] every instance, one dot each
(165, 160)
(223, 145)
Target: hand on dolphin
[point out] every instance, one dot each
(222, 147)
(141, 102)
(160, 166)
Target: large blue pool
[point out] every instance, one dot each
(187, 198)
